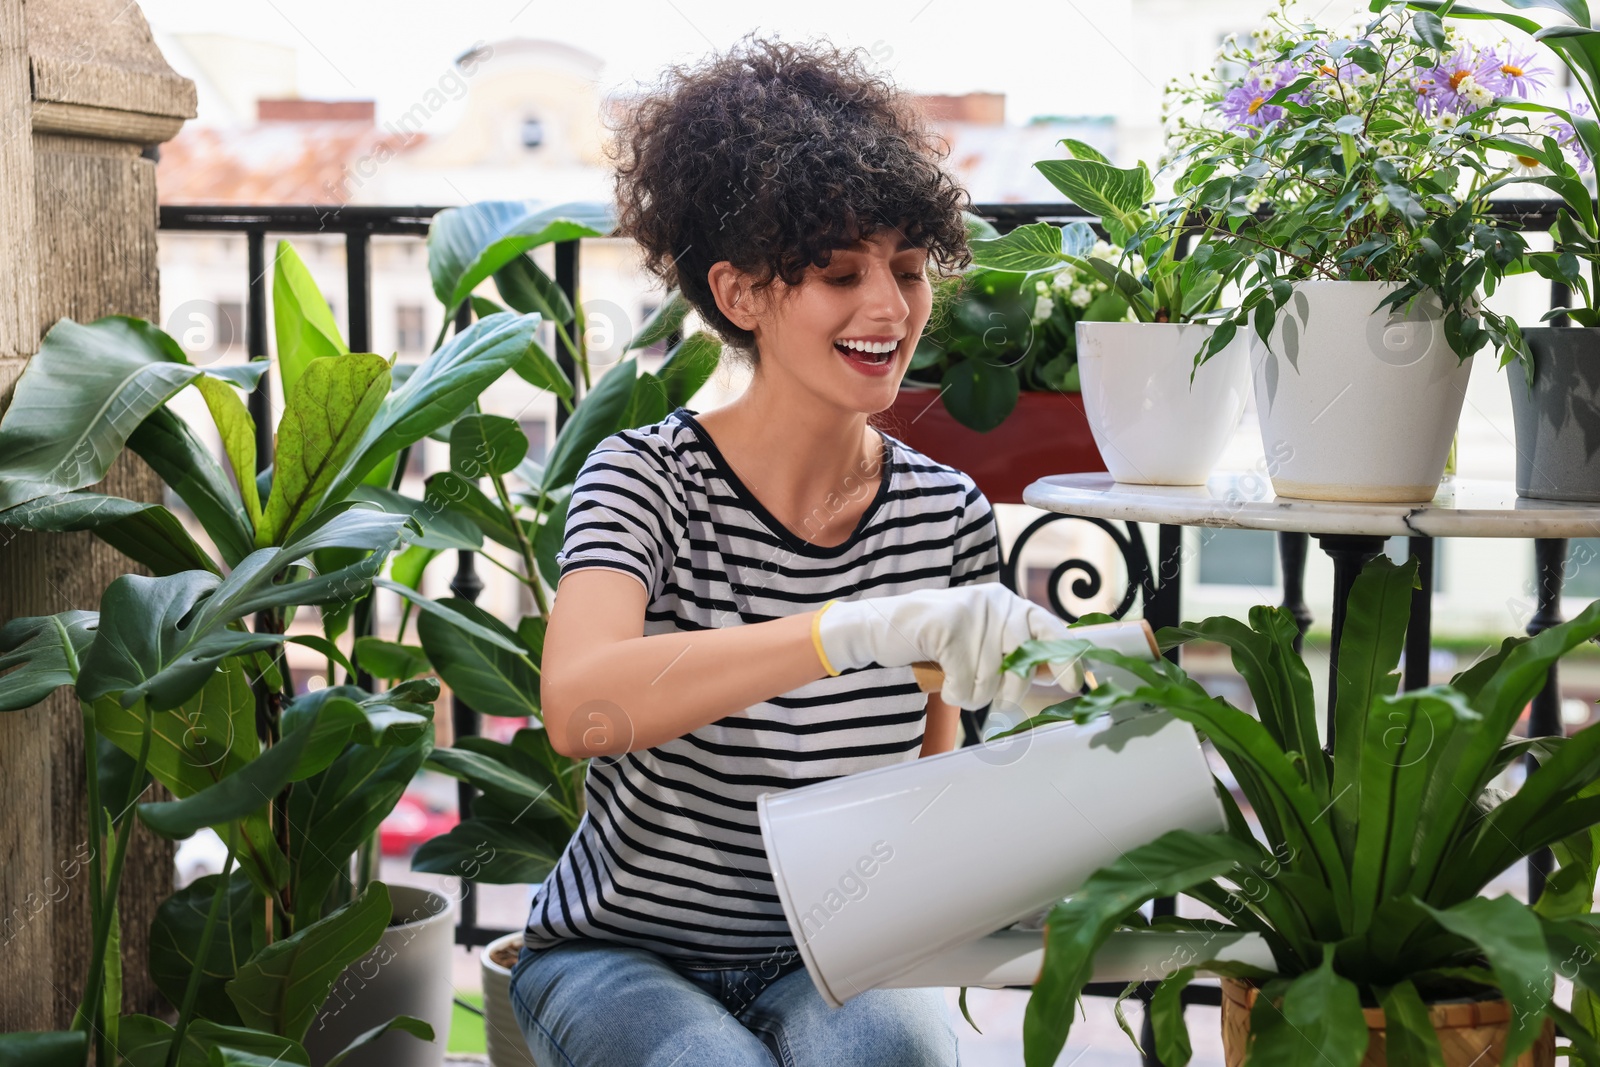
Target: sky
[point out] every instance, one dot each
(392, 52)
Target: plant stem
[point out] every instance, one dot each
(91, 759)
(522, 542)
(192, 990)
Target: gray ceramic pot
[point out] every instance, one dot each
(408, 973)
(1558, 420)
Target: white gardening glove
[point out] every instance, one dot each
(967, 630)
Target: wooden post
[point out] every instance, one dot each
(83, 93)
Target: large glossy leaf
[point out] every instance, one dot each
(303, 326)
(242, 793)
(332, 813)
(1320, 1021)
(439, 390)
(1376, 613)
(598, 416)
(468, 244)
(185, 463)
(528, 289)
(1115, 194)
(485, 445)
(491, 678)
(238, 432)
(390, 660)
(79, 398)
(280, 988)
(547, 543)
(403, 1023)
(495, 850)
(1037, 246)
(148, 534)
(508, 786)
(1410, 1039)
(663, 322)
(980, 394)
(688, 367)
(175, 940)
(1076, 929)
(1510, 935)
(453, 497)
(494, 634)
(332, 405)
(44, 1048)
(40, 654)
(143, 1042)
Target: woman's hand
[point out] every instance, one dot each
(967, 630)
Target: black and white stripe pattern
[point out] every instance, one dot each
(669, 854)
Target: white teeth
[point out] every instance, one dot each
(866, 346)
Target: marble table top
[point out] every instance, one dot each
(1245, 500)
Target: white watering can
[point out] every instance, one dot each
(909, 875)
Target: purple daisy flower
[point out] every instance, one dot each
(1436, 86)
(1515, 74)
(1567, 137)
(1246, 103)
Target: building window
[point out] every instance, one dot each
(410, 334)
(537, 431)
(1238, 557)
(532, 133)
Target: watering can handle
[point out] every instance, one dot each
(930, 676)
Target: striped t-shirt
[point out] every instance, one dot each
(669, 855)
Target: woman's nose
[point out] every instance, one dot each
(884, 298)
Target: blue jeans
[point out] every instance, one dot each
(591, 1003)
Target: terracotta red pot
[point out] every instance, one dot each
(1046, 434)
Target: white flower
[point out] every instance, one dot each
(1268, 81)
(1445, 120)
(1102, 250)
(1041, 287)
(1080, 297)
(1386, 147)
(1043, 308)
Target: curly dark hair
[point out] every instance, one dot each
(771, 156)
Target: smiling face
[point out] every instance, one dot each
(847, 331)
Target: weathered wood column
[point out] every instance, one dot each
(83, 92)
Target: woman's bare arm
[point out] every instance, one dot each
(943, 728)
(606, 689)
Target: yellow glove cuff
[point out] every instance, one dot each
(816, 638)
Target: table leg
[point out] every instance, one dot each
(1349, 552)
(1544, 719)
(1292, 548)
(1419, 630)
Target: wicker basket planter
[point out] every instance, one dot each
(1470, 1033)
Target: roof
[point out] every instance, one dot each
(319, 162)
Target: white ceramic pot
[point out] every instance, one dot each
(502, 1036)
(406, 973)
(880, 871)
(1357, 404)
(1152, 426)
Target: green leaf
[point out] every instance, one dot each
(1510, 936)
(303, 326)
(495, 851)
(483, 446)
(528, 289)
(389, 660)
(185, 463)
(597, 416)
(1117, 195)
(242, 793)
(1320, 1022)
(1076, 929)
(148, 534)
(44, 1048)
(1166, 1019)
(979, 394)
(332, 405)
(175, 937)
(280, 988)
(143, 1042)
(45, 651)
(1376, 614)
(495, 634)
(468, 244)
(403, 1023)
(1082, 150)
(688, 367)
(238, 432)
(491, 678)
(78, 399)
(1034, 247)
(1410, 1039)
(663, 322)
(439, 390)
(334, 812)
(505, 785)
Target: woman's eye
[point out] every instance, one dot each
(913, 276)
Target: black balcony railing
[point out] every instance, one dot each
(1153, 585)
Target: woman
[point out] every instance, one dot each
(743, 590)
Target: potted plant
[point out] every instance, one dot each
(992, 388)
(1156, 418)
(1352, 175)
(1366, 874)
(1555, 400)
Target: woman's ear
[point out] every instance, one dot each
(731, 293)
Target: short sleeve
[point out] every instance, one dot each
(977, 547)
(620, 515)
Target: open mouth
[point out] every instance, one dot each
(871, 359)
